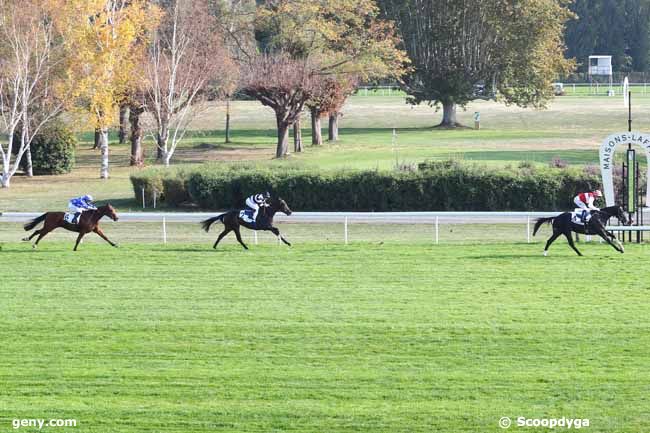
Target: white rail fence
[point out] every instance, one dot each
(345, 220)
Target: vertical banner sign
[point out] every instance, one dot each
(631, 180)
(607, 149)
(626, 92)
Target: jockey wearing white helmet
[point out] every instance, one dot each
(585, 201)
(256, 201)
(79, 204)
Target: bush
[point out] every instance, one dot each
(53, 149)
(441, 186)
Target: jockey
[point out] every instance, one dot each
(585, 201)
(256, 201)
(80, 204)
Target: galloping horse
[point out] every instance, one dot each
(88, 222)
(232, 221)
(562, 225)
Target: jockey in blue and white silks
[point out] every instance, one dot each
(256, 201)
(79, 204)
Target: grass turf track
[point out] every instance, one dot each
(358, 338)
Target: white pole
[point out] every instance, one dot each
(143, 205)
(164, 231)
(437, 230)
(255, 236)
(154, 198)
(345, 224)
(528, 229)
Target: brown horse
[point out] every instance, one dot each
(88, 222)
(232, 222)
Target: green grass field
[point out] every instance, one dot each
(357, 338)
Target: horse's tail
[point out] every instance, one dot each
(541, 221)
(207, 223)
(33, 223)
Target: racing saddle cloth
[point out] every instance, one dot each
(69, 218)
(577, 216)
(246, 215)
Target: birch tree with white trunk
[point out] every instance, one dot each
(186, 63)
(30, 53)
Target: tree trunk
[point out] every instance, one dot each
(29, 168)
(316, 133)
(449, 115)
(228, 121)
(103, 146)
(333, 133)
(97, 138)
(161, 141)
(167, 157)
(123, 123)
(283, 138)
(136, 137)
(5, 180)
(297, 136)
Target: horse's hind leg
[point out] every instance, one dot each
(239, 238)
(81, 235)
(41, 234)
(221, 236)
(569, 238)
(29, 238)
(550, 241)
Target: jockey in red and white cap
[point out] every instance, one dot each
(585, 201)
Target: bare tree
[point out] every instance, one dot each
(29, 59)
(186, 62)
(283, 84)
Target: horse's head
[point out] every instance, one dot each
(622, 215)
(283, 207)
(109, 211)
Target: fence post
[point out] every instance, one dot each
(528, 228)
(345, 225)
(164, 230)
(155, 193)
(437, 230)
(143, 204)
(255, 236)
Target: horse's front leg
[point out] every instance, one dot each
(276, 232)
(611, 239)
(103, 236)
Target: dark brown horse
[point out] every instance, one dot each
(562, 225)
(88, 222)
(232, 221)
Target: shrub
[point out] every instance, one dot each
(443, 186)
(53, 149)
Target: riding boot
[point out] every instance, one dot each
(75, 220)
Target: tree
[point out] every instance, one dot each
(185, 64)
(106, 37)
(333, 37)
(328, 100)
(511, 50)
(282, 83)
(31, 54)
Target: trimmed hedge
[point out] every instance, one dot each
(445, 186)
